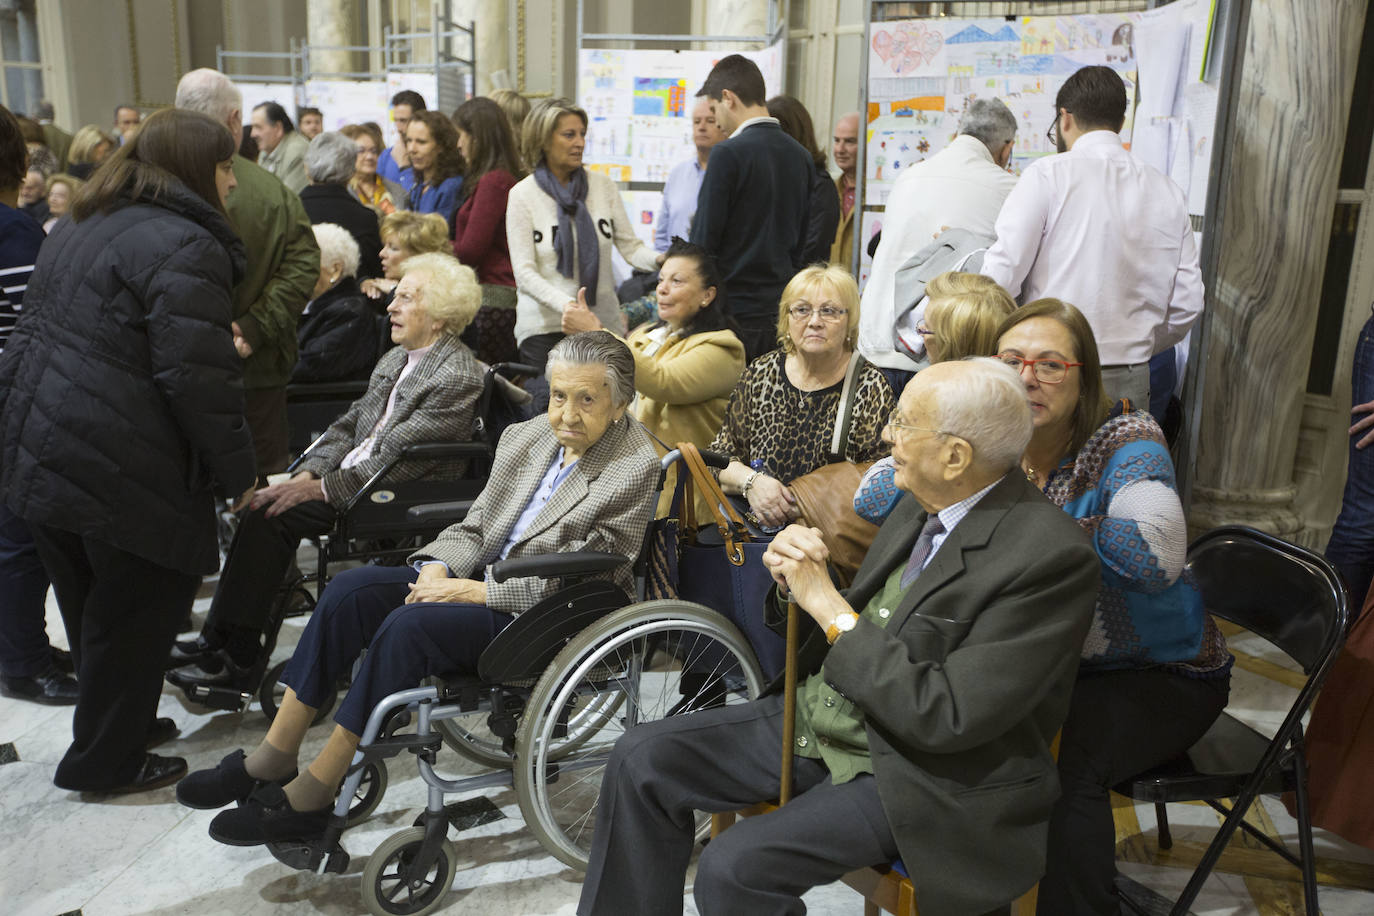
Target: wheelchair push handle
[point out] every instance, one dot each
(713, 459)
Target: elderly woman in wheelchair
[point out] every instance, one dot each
(424, 390)
(583, 479)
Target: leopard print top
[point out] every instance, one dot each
(770, 419)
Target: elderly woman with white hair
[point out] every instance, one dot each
(330, 162)
(338, 339)
(424, 390)
(581, 479)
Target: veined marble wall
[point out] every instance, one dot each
(1290, 117)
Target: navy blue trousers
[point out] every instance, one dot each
(1351, 547)
(365, 608)
(24, 650)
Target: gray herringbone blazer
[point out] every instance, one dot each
(604, 503)
(435, 403)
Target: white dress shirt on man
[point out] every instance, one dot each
(1109, 234)
(959, 187)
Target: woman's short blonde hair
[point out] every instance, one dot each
(86, 141)
(539, 126)
(831, 279)
(451, 294)
(515, 106)
(418, 233)
(964, 313)
(71, 181)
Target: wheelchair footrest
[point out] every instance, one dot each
(310, 855)
(390, 746)
(218, 697)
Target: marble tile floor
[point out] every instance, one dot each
(144, 854)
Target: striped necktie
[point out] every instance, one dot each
(921, 550)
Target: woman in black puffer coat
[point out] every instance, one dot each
(121, 416)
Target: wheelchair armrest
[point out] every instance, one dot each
(509, 369)
(445, 513)
(557, 565)
(433, 450)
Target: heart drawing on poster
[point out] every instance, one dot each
(907, 47)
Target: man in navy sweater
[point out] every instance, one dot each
(755, 201)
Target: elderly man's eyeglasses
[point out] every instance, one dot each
(894, 422)
(1048, 370)
(827, 312)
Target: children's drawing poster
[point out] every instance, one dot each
(640, 105)
(924, 74)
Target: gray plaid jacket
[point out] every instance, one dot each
(435, 403)
(604, 504)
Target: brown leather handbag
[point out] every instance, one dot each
(825, 497)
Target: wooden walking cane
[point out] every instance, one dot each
(789, 702)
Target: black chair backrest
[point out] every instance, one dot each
(1284, 593)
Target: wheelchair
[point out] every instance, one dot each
(553, 692)
(375, 524)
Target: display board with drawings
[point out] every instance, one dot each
(923, 75)
(640, 105)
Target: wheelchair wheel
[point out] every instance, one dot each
(386, 890)
(369, 793)
(271, 691)
(638, 656)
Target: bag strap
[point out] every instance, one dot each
(727, 520)
(844, 414)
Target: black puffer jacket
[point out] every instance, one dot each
(339, 337)
(121, 396)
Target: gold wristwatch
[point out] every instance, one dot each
(842, 623)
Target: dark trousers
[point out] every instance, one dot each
(722, 760)
(1351, 547)
(365, 608)
(759, 333)
(1120, 723)
(122, 613)
(24, 649)
(265, 411)
(257, 563)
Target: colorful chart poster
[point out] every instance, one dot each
(640, 103)
(924, 75)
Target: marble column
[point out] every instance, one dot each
(330, 23)
(1290, 116)
(493, 39)
(734, 17)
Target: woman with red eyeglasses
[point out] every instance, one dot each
(1154, 673)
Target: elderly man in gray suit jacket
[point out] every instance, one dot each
(581, 479)
(928, 696)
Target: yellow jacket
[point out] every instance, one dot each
(683, 389)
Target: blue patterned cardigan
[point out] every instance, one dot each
(1144, 618)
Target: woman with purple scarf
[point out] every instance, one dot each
(560, 224)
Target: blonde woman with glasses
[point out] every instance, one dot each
(781, 415)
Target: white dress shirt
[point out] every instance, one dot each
(959, 187)
(1102, 230)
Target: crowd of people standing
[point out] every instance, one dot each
(149, 337)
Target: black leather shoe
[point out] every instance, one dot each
(51, 688)
(218, 670)
(189, 652)
(161, 731)
(62, 660)
(226, 783)
(156, 772)
(267, 817)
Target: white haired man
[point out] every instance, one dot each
(283, 265)
(961, 187)
(928, 694)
